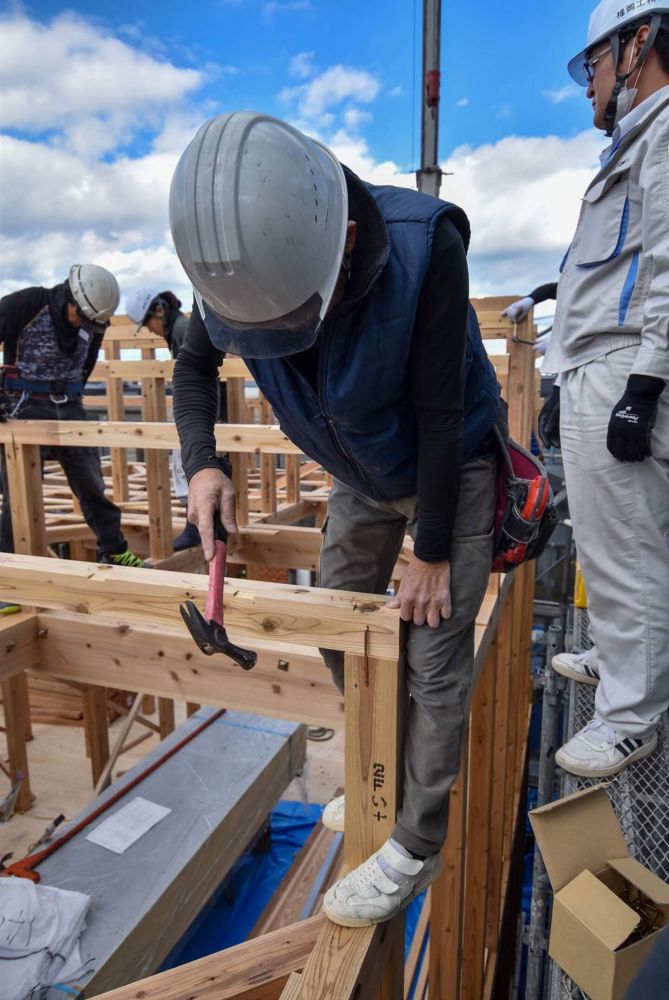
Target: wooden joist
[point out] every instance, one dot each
(287, 683)
(301, 615)
(255, 970)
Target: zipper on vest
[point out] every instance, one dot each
(332, 427)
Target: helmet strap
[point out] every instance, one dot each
(622, 78)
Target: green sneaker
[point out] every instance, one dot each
(7, 608)
(126, 558)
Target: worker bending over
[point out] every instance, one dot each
(51, 339)
(349, 304)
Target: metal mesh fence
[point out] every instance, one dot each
(639, 794)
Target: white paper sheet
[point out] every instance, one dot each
(120, 831)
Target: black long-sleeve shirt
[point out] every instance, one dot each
(436, 383)
(18, 309)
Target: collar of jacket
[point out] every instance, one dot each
(641, 117)
(372, 244)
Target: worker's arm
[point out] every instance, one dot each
(437, 389)
(633, 416)
(653, 357)
(92, 356)
(16, 311)
(195, 397)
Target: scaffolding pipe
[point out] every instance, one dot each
(550, 720)
(428, 178)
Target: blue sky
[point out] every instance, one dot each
(98, 101)
(503, 65)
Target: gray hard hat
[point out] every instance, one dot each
(96, 294)
(258, 213)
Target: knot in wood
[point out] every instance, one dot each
(367, 608)
(10, 645)
(269, 625)
(42, 633)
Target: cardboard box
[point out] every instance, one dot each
(595, 880)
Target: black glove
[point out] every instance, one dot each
(549, 420)
(633, 419)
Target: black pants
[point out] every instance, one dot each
(82, 469)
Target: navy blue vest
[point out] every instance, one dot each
(361, 425)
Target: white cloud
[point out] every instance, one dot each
(302, 65)
(91, 89)
(355, 118)
(59, 206)
(396, 91)
(329, 89)
(566, 93)
(462, 103)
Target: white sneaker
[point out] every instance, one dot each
(577, 666)
(379, 888)
(333, 814)
(598, 751)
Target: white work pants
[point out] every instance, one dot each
(620, 515)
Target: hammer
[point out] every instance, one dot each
(208, 630)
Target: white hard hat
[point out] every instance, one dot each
(95, 291)
(258, 213)
(607, 19)
(137, 305)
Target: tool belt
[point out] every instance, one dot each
(58, 390)
(525, 515)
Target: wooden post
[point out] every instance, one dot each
(447, 898)
(374, 708)
(97, 735)
(24, 481)
(165, 717)
(500, 778)
(267, 466)
(478, 831)
(116, 411)
(24, 475)
(293, 486)
(157, 474)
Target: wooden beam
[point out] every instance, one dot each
(288, 682)
(116, 411)
(17, 721)
(262, 438)
(255, 970)
(296, 615)
(158, 481)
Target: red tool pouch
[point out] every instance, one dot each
(525, 515)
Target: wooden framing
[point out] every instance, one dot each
(112, 627)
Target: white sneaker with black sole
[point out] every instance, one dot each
(598, 751)
(577, 666)
(380, 887)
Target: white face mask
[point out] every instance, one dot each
(627, 95)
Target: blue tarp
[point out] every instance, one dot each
(237, 904)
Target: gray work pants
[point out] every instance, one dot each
(361, 543)
(620, 515)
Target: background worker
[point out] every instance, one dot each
(160, 312)
(51, 339)
(610, 348)
(333, 286)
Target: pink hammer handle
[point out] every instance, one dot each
(213, 611)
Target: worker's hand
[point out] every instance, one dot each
(425, 593)
(517, 311)
(549, 420)
(210, 492)
(630, 427)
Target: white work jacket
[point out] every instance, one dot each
(614, 287)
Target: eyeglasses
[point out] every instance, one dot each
(589, 64)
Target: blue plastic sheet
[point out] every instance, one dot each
(237, 904)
